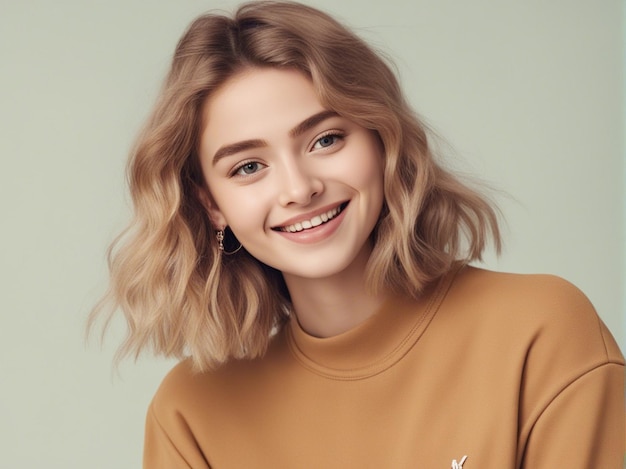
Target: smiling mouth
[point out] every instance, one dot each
(314, 221)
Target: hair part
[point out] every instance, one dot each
(179, 295)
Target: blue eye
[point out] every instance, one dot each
(248, 168)
(326, 141)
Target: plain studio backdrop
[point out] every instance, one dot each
(528, 95)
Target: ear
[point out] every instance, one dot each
(215, 215)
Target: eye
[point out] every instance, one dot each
(326, 141)
(248, 168)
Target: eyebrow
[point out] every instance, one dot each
(310, 122)
(306, 124)
(234, 148)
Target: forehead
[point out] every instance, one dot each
(257, 103)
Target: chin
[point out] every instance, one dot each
(320, 269)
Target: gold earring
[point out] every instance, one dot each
(220, 243)
(220, 239)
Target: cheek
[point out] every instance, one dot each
(244, 210)
(368, 172)
(370, 177)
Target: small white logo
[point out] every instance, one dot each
(458, 465)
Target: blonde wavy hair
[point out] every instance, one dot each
(179, 294)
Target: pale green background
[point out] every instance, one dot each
(529, 94)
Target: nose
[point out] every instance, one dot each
(298, 183)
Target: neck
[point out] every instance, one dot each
(329, 306)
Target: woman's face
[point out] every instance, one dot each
(300, 186)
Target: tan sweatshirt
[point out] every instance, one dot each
(487, 371)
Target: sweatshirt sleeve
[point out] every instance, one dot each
(583, 426)
(175, 449)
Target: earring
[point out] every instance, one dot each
(220, 243)
(220, 239)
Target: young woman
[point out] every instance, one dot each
(298, 246)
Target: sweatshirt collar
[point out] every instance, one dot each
(374, 345)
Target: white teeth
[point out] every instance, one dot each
(315, 221)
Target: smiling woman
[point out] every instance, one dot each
(281, 175)
(349, 330)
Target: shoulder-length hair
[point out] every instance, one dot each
(179, 294)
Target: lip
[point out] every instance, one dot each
(317, 233)
(307, 216)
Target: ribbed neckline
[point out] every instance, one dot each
(373, 346)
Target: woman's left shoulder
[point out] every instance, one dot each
(545, 309)
(531, 290)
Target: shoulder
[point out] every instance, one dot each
(537, 334)
(178, 384)
(542, 312)
(186, 392)
(178, 391)
(524, 290)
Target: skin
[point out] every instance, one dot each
(275, 159)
